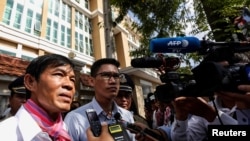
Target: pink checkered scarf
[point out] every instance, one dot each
(53, 128)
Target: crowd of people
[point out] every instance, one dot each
(41, 106)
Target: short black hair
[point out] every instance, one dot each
(39, 64)
(97, 64)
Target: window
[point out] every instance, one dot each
(76, 19)
(57, 8)
(86, 24)
(64, 6)
(8, 53)
(87, 46)
(48, 28)
(18, 17)
(59, 23)
(87, 4)
(81, 44)
(55, 29)
(76, 41)
(37, 26)
(91, 51)
(29, 21)
(80, 21)
(24, 57)
(62, 35)
(51, 2)
(24, 15)
(68, 37)
(7, 12)
(69, 14)
(32, 1)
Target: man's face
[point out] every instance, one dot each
(16, 102)
(55, 89)
(106, 82)
(124, 99)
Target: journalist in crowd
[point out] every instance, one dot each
(193, 115)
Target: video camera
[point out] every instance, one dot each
(209, 76)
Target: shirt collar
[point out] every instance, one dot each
(99, 109)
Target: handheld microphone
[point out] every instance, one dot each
(137, 129)
(175, 45)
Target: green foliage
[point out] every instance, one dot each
(219, 16)
(156, 18)
(169, 18)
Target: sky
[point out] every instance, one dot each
(188, 29)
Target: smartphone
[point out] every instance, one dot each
(95, 124)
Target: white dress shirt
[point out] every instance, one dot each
(22, 127)
(195, 128)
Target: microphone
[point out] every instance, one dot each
(146, 62)
(137, 129)
(154, 62)
(193, 44)
(175, 45)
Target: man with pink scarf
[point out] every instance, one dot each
(50, 81)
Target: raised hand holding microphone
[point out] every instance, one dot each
(143, 133)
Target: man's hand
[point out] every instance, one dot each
(147, 134)
(105, 135)
(195, 106)
(241, 100)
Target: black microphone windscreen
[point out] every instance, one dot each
(146, 62)
(117, 116)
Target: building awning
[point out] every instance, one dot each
(13, 66)
(144, 73)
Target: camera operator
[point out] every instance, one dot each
(194, 114)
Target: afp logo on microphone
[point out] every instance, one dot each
(182, 43)
(174, 45)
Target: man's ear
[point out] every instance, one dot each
(91, 81)
(29, 82)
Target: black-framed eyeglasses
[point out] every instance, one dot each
(19, 90)
(108, 75)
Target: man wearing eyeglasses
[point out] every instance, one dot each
(17, 97)
(105, 79)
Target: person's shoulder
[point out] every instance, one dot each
(78, 112)
(8, 123)
(123, 110)
(8, 128)
(125, 113)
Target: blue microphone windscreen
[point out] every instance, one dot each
(175, 45)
